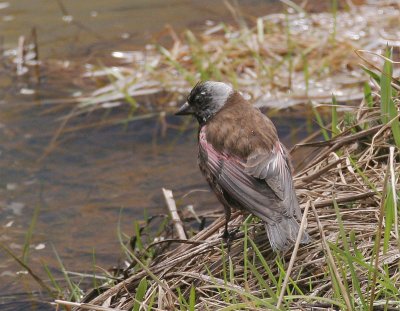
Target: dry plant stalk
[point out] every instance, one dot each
(349, 171)
(279, 61)
(346, 182)
(169, 200)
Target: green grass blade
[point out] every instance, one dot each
(388, 107)
(372, 74)
(320, 122)
(28, 269)
(368, 95)
(335, 130)
(183, 304)
(341, 305)
(389, 218)
(151, 301)
(386, 88)
(140, 293)
(95, 284)
(74, 290)
(264, 263)
(192, 298)
(350, 264)
(52, 279)
(245, 255)
(306, 73)
(120, 235)
(29, 234)
(263, 283)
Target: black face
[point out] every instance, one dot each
(205, 100)
(200, 100)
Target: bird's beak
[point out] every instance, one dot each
(184, 110)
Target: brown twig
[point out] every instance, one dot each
(169, 200)
(293, 257)
(345, 199)
(86, 306)
(331, 260)
(378, 237)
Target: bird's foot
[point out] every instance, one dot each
(230, 236)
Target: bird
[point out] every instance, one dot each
(244, 162)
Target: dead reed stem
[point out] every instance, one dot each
(176, 220)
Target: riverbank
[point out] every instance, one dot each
(345, 183)
(348, 191)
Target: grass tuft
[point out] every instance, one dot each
(352, 263)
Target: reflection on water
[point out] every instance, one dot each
(95, 176)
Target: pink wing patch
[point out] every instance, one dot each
(217, 161)
(261, 185)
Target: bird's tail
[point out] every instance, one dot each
(283, 235)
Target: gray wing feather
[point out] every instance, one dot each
(274, 168)
(263, 184)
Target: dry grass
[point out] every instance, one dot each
(349, 185)
(349, 189)
(278, 60)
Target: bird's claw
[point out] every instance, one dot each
(230, 236)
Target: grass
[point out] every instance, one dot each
(352, 263)
(271, 59)
(28, 235)
(388, 108)
(351, 185)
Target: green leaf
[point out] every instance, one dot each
(140, 294)
(386, 88)
(349, 260)
(320, 123)
(368, 95)
(388, 107)
(335, 130)
(192, 299)
(389, 218)
(29, 234)
(372, 74)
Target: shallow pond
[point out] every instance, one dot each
(96, 177)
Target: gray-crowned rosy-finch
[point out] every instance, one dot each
(244, 162)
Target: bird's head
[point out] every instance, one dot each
(205, 100)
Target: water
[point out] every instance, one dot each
(66, 27)
(95, 177)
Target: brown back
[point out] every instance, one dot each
(240, 129)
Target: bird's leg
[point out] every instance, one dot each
(226, 234)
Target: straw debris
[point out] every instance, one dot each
(347, 185)
(350, 189)
(278, 60)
